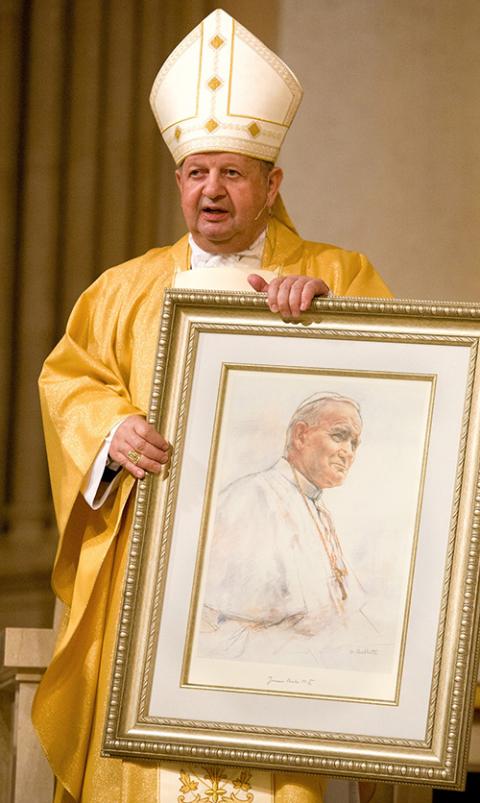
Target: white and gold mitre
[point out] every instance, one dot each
(221, 89)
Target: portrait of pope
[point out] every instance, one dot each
(279, 587)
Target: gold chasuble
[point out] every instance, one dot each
(99, 373)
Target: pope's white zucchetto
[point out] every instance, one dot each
(222, 89)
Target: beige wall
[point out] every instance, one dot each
(384, 155)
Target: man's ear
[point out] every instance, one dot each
(178, 177)
(298, 434)
(275, 178)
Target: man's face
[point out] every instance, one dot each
(326, 450)
(224, 198)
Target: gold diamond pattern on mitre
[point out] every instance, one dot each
(214, 83)
(254, 129)
(217, 42)
(178, 133)
(211, 125)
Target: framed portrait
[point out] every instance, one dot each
(302, 584)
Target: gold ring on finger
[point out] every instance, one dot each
(134, 456)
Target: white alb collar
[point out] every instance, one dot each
(204, 259)
(307, 487)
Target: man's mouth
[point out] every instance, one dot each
(214, 212)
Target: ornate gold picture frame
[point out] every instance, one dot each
(271, 623)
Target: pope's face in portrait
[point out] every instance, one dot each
(325, 450)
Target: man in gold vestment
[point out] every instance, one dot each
(224, 130)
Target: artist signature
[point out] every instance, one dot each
(291, 681)
(363, 651)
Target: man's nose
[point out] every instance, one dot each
(213, 187)
(346, 448)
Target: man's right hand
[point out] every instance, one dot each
(136, 436)
(290, 295)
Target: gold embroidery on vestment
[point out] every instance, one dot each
(215, 785)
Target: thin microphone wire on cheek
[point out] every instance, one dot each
(262, 210)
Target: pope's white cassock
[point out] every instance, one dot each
(272, 592)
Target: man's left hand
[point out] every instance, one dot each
(289, 295)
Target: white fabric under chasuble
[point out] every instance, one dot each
(223, 271)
